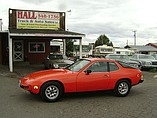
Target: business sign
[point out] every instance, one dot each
(37, 20)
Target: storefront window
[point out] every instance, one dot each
(36, 47)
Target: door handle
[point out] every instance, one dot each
(106, 76)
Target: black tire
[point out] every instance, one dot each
(51, 91)
(122, 88)
(50, 66)
(45, 68)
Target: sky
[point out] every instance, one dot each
(117, 19)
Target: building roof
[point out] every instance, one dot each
(153, 44)
(142, 48)
(44, 33)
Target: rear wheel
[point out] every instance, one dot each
(122, 88)
(51, 91)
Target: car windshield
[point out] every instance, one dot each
(78, 65)
(146, 57)
(107, 49)
(57, 56)
(119, 57)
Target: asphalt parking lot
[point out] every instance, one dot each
(17, 103)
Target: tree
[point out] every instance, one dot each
(69, 47)
(103, 39)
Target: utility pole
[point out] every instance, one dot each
(1, 24)
(66, 22)
(134, 37)
(127, 43)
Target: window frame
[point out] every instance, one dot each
(109, 67)
(36, 43)
(99, 63)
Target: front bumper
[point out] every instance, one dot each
(33, 89)
(141, 81)
(23, 87)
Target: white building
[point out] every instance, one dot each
(123, 51)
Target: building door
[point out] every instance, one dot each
(17, 50)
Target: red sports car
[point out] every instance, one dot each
(90, 74)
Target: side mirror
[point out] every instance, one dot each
(47, 58)
(87, 72)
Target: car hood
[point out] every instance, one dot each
(62, 61)
(130, 61)
(133, 62)
(48, 73)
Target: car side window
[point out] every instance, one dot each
(98, 67)
(113, 66)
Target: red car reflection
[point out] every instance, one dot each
(91, 74)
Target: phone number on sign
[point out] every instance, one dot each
(48, 16)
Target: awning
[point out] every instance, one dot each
(44, 33)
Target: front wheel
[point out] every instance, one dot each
(122, 88)
(51, 91)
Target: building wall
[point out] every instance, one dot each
(4, 50)
(15, 15)
(36, 58)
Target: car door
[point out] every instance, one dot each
(97, 77)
